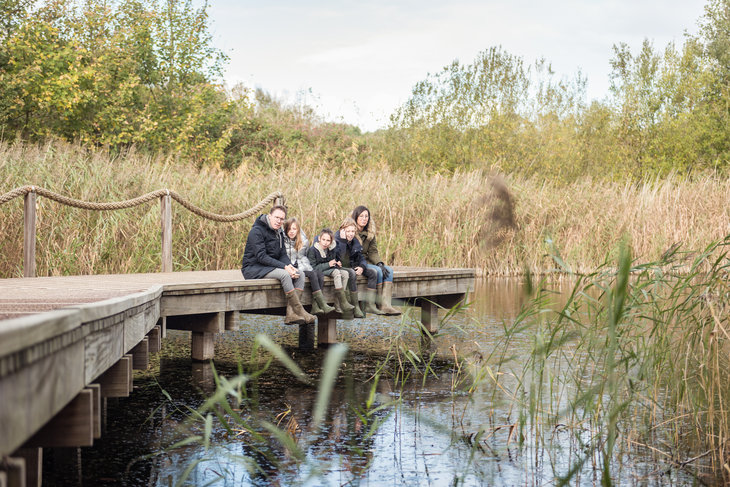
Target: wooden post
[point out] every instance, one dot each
(154, 339)
(326, 331)
(72, 426)
(29, 222)
(430, 316)
(233, 319)
(141, 355)
(166, 224)
(14, 471)
(33, 465)
(202, 346)
(116, 382)
(278, 201)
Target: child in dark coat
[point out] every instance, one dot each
(350, 251)
(323, 258)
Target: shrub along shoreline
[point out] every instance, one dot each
(501, 225)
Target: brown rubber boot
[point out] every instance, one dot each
(292, 317)
(385, 292)
(352, 298)
(370, 303)
(341, 303)
(299, 309)
(320, 303)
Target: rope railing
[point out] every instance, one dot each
(164, 195)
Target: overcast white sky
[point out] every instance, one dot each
(356, 61)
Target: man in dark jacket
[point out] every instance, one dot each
(265, 257)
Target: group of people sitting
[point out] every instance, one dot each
(278, 248)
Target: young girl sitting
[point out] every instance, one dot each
(350, 251)
(323, 258)
(297, 246)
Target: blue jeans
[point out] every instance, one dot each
(380, 273)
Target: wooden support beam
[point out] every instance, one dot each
(202, 345)
(166, 232)
(3, 479)
(72, 427)
(430, 316)
(141, 355)
(29, 234)
(204, 322)
(13, 471)
(33, 465)
(155, 340)
(96, 399)
(306, 336)
(326, 331)
(116, 381)
(233, 320)
(162, 323)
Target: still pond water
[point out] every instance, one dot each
(424, 429)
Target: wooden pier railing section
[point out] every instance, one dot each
(67, 343)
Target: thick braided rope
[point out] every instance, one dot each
(119, 205)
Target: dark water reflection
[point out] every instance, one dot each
(429, 438)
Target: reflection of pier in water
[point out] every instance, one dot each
(66, 343)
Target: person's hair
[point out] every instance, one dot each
(327, 231)
(287, 226)
(356, 213)
(277, 207)
(348, 222)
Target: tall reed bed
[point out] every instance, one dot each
(634, 359)
(499, 225)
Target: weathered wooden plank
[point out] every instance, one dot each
(32, 395)
(138, 325)
(102, 350)
(116, 381)
(108, 307)
(202, 345)
(21, 333)
(73, 426)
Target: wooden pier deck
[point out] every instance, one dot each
(67, 342)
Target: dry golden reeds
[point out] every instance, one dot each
(501, 226)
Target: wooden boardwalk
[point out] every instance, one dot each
(68, 342)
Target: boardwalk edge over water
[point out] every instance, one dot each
(68, 342)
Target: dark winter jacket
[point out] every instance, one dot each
(320, 258)
(350, 252)
(264, 251)
(369, 246)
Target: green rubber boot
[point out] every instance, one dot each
(320, 303)
(352, 298)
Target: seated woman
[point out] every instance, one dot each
(265, 256)
(366, 235)
(297, 246)
(350, 252)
